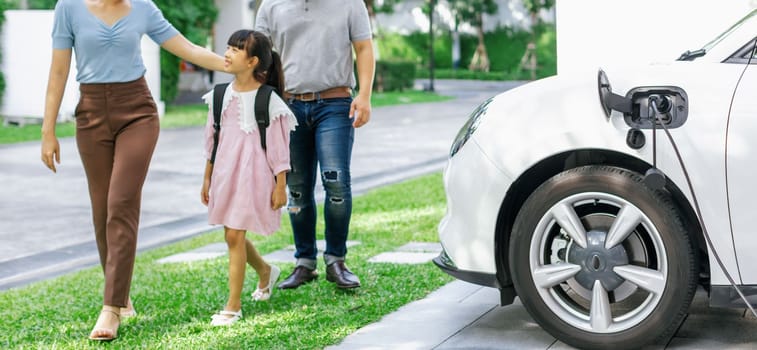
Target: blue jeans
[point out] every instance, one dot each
(324, 136)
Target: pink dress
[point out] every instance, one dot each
(243, 175)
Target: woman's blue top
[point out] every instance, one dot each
(108, 54)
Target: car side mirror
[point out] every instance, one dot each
(641, 105)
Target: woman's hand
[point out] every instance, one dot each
(50, 151)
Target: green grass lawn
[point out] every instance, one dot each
(195, 115)
(175, 301)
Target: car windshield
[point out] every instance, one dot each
(690, 55)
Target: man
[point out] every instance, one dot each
(315, 39)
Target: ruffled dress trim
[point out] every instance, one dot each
(276, 109)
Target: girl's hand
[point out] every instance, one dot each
(278, 197)
(50, 152)
(205, 192)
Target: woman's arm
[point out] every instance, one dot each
(56, 85)
(186, 50)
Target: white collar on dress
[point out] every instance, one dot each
(247, 120)
(276, 109)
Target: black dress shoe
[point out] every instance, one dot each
(299, 276)
(342, 276)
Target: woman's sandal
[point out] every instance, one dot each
(265, 293)
(225, 318)
(105, 334)
(128, 311)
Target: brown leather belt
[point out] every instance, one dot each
(337, 92)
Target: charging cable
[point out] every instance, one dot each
(654, 102)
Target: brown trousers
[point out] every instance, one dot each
(117, 127)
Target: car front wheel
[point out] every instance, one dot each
(602, 261)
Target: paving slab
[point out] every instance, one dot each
(410, 253)
(403, 257)
(286, 255)
(210, 251)
(421, 324)
(424, 247)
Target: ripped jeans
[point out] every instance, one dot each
(324, 136)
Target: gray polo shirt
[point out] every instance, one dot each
(314, 39)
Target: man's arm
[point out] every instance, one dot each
(366, 67)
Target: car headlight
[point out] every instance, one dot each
(469, 127)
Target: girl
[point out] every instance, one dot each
(245, 187)
(117, 124)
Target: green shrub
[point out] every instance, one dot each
(505, 47)
(449, 73)
(546, 50)
(194, 19)
(169, 76)
(394, 75)
(414, 47)
(4, 5)
(41, 4)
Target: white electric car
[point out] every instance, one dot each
(604, 201)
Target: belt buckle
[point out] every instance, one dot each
(308, 96)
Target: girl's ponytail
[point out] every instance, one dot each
(256, 44)
(275, 73)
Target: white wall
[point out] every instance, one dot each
(27, 51)
(592, 32)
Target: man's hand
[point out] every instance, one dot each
(360, 111)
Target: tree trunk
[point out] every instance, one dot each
(374, 27)
(480, 60)
(455, 49)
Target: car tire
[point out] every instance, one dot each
(629, 292)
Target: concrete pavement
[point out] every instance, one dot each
(461, 315)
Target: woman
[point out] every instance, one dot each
(117, 123)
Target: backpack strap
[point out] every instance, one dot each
(262, 101)
(218, 91)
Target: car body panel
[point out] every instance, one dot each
(741, 166)
(471, 241)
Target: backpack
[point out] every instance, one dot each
(262, 101)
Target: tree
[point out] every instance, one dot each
(193, 18)
(530, 59)
(535, 6)
(472, 12)
(374, 7)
